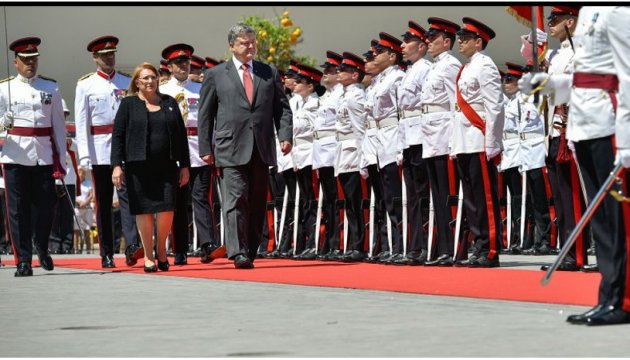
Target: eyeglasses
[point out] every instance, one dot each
(148, 78)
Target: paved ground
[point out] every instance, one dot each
(71, 313)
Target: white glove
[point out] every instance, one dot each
(541, 37)
(6, 121)
(85, 164)
(531, 81)
(364, 173)
(571, 146)
(491, 152)
(399, 159)
(623, 157)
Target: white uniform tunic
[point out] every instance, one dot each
(96, 103)
(409, 93)
(385, 112)
(303, 124)
(593, 55)
(285, 162)
(559, 61)
(439, 92)
(370, 141)
(480, 86)
(324, 142)
(187, 95)
(35, 103)
(350, 129)
(523, 136)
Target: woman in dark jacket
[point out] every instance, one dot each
(150, 140)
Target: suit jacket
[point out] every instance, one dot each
(129, 140)
(226, 115)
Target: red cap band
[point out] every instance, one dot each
(177, 53)
(474, 29)
(390, 45)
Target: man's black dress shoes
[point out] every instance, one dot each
(379, 257)
(243, 262)
(180, 259)
(209, 252)
(564, 266)
(133, 253)
(483, 262)
(307, 254)
(107, 262)
(24, 269)
(354, 256)
(392, 259)
(581, 318)
(442, 260)
(45, 261)
(609, 315)
(590, 268)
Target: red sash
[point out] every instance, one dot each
(467, 110)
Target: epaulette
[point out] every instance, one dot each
(86, 76)
(163, 81)
(123, 73)
(47, 78)
(7, 79)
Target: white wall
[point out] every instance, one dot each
(145, 30)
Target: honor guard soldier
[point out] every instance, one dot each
(598, 127)
(324, 150)
(476, 141)
(414, 49)
(524, 153)
(308, 87)
(211, 62)
(165, 73)
(196, 68)
(437, 102)
(369, 163)
(350, 129)
(97, 98)
(388, 55)
(62, 234)
(32, 114)
(186, 92)
(561, 166)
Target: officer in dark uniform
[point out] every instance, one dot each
(32, 113)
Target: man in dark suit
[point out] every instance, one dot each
(241, 100)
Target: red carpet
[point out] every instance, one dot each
(500, 284)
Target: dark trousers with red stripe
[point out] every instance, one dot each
(30, 202)
(381, 240)
(565, 189)
(329, 209)
(196, 192)
(104, 194)
(351, 186)
(513, 180)
(290, 180)
(539, 204)
(308, 207)
(481, 202)
(596, 158)
(417, 183)
(62, 233)
(392, 196)
(439, 182)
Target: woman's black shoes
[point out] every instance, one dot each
(163, 266)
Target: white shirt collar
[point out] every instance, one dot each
(239, 64)
(21, 78)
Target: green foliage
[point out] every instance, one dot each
(276, 41)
